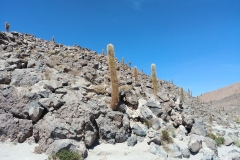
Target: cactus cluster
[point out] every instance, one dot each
(113, 77)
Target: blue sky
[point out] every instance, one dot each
(195, 43)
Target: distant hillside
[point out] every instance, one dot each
(227, 93)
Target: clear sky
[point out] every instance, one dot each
(195, 43)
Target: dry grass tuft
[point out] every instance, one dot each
(100, 89)
(125, 88)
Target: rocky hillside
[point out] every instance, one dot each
(226, 98)
(58, 96)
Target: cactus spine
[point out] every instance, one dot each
(7, 26)
(154, 79)
(113, 77)
(135, 73)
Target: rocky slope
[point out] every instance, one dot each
(58, 96)
(226, 98)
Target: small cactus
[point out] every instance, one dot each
(102, 51)
(7, 26)
(154, 79)
(182, 94)
(135, 73)
(122, 61)
(113, 77)
(53, 39)
(129, 63)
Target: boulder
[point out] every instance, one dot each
(227, 141)
(68, 144)
(199, 128)
(132, 140)
(195, 143)
(155, 108)
(138, 130)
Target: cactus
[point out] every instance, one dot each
(102, 51)
(52, 38)
(122, 61)
(113, 77)
(154, 79)
(7, 26)
(129, 63)
(182, 94)
(135, 73)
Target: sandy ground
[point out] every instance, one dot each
(24, 151)
(20, 151)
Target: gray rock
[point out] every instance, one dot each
(177, 155)
(132, 140)
(199, 128)
(185, 152)
(34, 110)
(28, 79)
(52, 85)
(4, 77)
(227, 141)
(68, 144)
(51, 102)
(31, 63)
(211, 144)
(156, 109)
(138, 130)
(194, 144)
(164, 96)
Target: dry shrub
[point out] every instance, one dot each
(54, 60)
(100, 89)
(125, 88)
(48, 73)
(74, 72)
(37, 150)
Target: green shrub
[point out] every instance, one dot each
(211, 135)
(237, 143)
(166, 137)
(219, 140)
(66, 155)
(237, 120)
(148, 123)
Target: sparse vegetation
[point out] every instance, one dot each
(47, 74)
(211, 135)
(219, 140)
(237, 143)
(154, 79)
(100, 89)
(113, 77)
(65, 155)
(237, 120)
(148, 123)
(166, 137)
(125, 88)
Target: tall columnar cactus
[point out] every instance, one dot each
(53, 39)
(154, 79)
(135, 73)
(7, 26)
(113, 77)
(122, 61)
(102, 51)
(182, 94)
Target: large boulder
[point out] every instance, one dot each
(68, 144)
(199, 128)
(195, 143)
(155, 108)
(113, 127)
